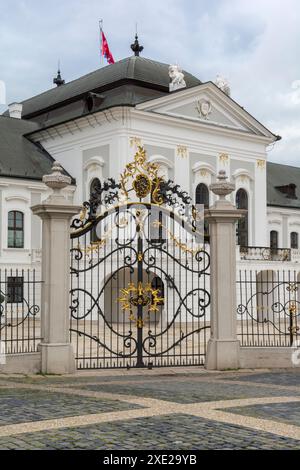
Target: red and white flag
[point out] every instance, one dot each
(105, 52)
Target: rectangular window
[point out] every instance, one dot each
(15, 290)
(15, 233)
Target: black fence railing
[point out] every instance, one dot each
(268, 307)
(20, 294)
(265, 253)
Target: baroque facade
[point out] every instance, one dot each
(193, 130)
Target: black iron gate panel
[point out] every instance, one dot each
(139, 282)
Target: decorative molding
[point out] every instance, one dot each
(294, 224)
(219, 97)
(161, 159)
(203, 167)
(224, 158)
(182, 151)
(261, 164)
(94, 161)
(242, 174)
(274, 221)
(199, 125)
(17, 198)
(203, 107)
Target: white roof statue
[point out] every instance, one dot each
(177, 78)
(223, 84)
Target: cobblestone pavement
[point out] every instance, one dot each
(283, 412)
(182, 409)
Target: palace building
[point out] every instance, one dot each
(92, 125)
(143, 298)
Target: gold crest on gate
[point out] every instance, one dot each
(142, 185)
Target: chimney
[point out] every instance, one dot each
(15, 110)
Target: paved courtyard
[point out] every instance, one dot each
(171, 409)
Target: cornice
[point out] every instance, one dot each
(219, 96)
(209, 128)
(79, 124)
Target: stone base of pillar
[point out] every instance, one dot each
(222, 354)
(57, 358)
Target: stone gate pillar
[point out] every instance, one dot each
(56, 213)
(223, 346)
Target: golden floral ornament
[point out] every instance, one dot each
(135, 142)
(203, 172)
(182, 151)
(139, 296)
(142, 177)
(243, 179)
(224, 157)
(261, 164)
(177, 242)
(83, 213)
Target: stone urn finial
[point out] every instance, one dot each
(57, 181)
(222, 187)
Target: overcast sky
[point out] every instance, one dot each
(255, 44)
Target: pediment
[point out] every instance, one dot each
(208, 105)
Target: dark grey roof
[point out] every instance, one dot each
(124, 95)
(280, 175)
(139, 70)
(19, 157)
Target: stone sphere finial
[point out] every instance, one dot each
(56, 180)
(222, 187)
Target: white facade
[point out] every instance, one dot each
(190, 148)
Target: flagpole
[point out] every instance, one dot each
(101, 45)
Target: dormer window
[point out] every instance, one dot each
(289, 190)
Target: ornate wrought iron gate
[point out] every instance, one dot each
(139, 275)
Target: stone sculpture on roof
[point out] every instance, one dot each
(177, 78)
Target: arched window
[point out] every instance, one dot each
(294, 240)
(273, 240)
(202, 197)
(241, 201)
(15, 235)
(95, 184)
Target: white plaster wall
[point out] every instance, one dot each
(116, 130)
(17, 195)
(285, 221)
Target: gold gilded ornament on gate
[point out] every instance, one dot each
(145, 178)
(140, 295)
(142, 185)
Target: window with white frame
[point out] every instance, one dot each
(242, 225)
(15, 229)
(273, 239)
(294, 240)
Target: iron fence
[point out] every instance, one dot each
(20, 294)
(268, 307)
